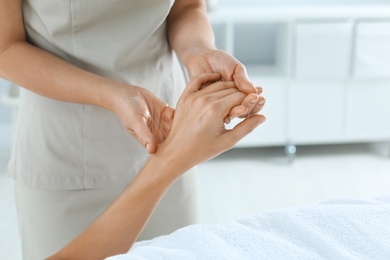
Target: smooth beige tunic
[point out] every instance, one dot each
(61, 145)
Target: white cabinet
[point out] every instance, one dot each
(317, 112)
(369, 111)
(325, 70)
(372, 50)
(322, 49)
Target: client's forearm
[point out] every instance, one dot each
(116, 230)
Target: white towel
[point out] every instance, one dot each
(337, 229)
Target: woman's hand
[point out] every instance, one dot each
(145, 116)
(210, 60)
(198, 131)
(191, 36)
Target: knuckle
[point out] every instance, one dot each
(214, 106)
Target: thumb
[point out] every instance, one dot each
(241, 79)
(142, 132)
(243, 128)
(197, 82)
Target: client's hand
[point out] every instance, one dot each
(198, 131)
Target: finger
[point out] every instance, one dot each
(253, 106)
(241, 79)
(259, 106)
(206, 85)
(227, 120)
(220, 94)
(225, 104)
(249, 103)
(142, 132)
(237, 111)
(242, 129)
(166, 122)
(259, 90)
(246, 107)
(218, 86)
(196, 83)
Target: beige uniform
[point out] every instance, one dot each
(65, 153)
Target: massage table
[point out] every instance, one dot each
(334, 229)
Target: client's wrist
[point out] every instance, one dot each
(166, 169)
(170, 160)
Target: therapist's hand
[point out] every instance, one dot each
(198, 131)
(144, 115)
(208, 61)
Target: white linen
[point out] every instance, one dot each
(336, 229)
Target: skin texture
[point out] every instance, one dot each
(148, 119)
(198, 133)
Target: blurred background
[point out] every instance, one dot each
(325, 69)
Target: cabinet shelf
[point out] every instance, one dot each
(266, 71)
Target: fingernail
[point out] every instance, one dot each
(254, 100)
(148, 147)
(261, 120)
(261, 101)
